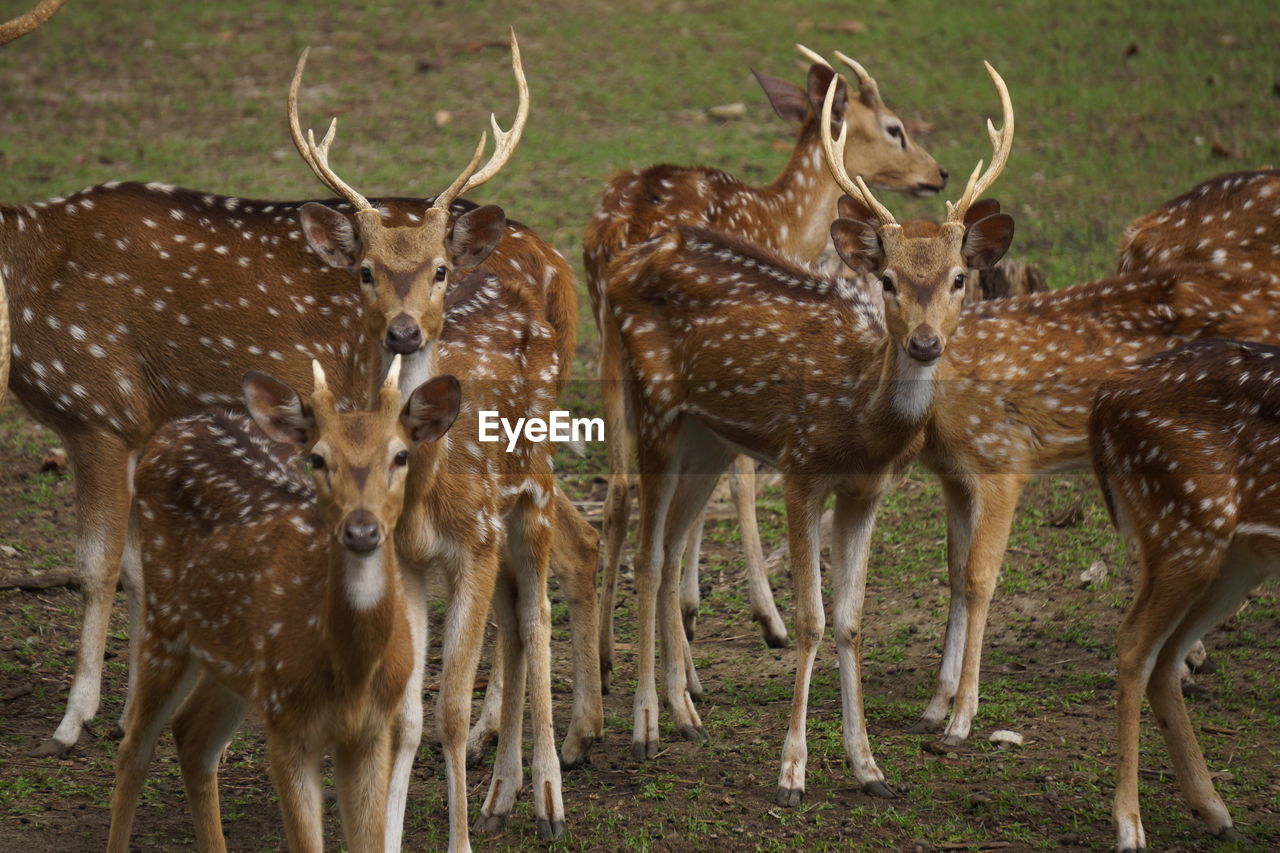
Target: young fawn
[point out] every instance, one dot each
(1184, 448)
(271, 590)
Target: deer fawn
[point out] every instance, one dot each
(170, 294)
(1183, 448)
(790, 216)
(729, 348)
(271, 590)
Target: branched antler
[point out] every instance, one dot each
(317, 156)
(1001, 143)
(835, 160)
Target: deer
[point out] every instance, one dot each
(170, 294)
(1182, 447)
(837, 399)
(789, 215)
(481, 516)
(277, 590)
(1014, 416)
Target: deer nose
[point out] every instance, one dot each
(360, 532)
(944, 174)
(403, 335)
(925, 346)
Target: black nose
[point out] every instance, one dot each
(404, 336)
(360, 533)
(925, 348)
(945, 174)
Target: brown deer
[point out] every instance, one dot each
(158, 297)
(729, 348)
(281, 592)
(791, 216)
(1183, 446)
(1027, 369)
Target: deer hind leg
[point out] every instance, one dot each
(657, 484)
(295, 772)
(104, 491)
(484, 731)
(508, 773)
(131, 578)
(961, 518)
(201, 730)
(362, 772)
(163, 682)
(804, 511)
(742, 488)
(998, 499)
(690, 599)
(575, 549)
(855, 517)
(620, 445)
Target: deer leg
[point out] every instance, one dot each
(470, 592)
(406, 730)
(998, 499)
(574, 554)
(201, 730)
(742, 488)
(162, 684)
(620, 445)
(657, 485)
(484, 732)
(361, 772)
(104, 491)
(508, 773)
(131, 577)
(295, 772)
(804, 509)
(855, 517)
(690, 594)
(961, 518)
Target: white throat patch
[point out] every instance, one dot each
(913, 391)
(363, 578)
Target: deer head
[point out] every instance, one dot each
(882, 151)
(358, 460)
(404, 271)
(923, 277)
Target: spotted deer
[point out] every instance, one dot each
(277, 590)
(729, 348)
(1184, 448)
(134, 304)
(481, 517)
(791, 216)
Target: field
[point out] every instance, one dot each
(1120, 106)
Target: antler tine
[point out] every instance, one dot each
(317, 157)
(23, 24)
(504, 141)
(866, 83)
(835, 160)
(813, 55)
(1001, 144)
(319, 383)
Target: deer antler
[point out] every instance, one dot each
(319, 383)
(835, 160)
(866, 83)
(813, 55)
(1001, 143)
(317, 156)
(23, 24)
(504, 142)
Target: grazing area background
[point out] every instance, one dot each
(1120, 106)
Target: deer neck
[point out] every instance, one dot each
(363, 610)
(907, 390)
(802, 200)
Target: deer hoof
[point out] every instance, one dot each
(877, 788)
(697, 734)
(50, 749)
(575, 754)
(925, 726)
(642, 750)
(775, 637)
(789, 797)
(489, 824)
(606, 672)
(952, 741)
(1230, 833)
(477, 751)
(550, 830)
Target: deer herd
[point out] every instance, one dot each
(270, 410)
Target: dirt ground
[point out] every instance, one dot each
(1048, 675)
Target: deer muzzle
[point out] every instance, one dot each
(361, 532)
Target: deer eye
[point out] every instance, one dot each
(366, 275)
(402, 458)
(887, 282)
(894, 131)
(441, 272)
(316, 461)
(958, 283)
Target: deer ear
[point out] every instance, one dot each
(475, 234)
(277, 409)
(330, 235)
(981, 209)
(986, 241)
(849, 207)
(858, 245)
(432, 408)
(819, 79)
(787, 99)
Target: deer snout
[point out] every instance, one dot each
(925, 345)
(925, 189)
(404, 336)
(361, 532)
